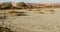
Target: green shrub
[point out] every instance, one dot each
(6, 5)
(21, 5)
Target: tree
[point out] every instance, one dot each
(21, 5)
(6, 5)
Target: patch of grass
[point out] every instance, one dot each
(42, 12)
(21, 14)
(39, 10)
(51, 10)
(5, 29)
(16, 13)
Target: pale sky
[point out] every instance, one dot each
(32, 1)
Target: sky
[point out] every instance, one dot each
(32, 1)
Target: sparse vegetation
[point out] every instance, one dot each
(4, 29)
(30, 8)
(21, 5)
(52, 11)
(17, 13)
(2, 18)
(33, 23)
(5, 5)
(42, 12)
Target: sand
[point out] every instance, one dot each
(36, 22)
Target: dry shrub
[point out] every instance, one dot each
(51, 10)
(15, 13)
(42, 12)
(4, 29)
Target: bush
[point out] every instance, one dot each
(5, 29)
(42, 12)
(6, 5)
(21, 5)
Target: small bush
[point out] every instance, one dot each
(4, 29)
(42, 12)
(21, 5)
(51, 10)
(6, 5)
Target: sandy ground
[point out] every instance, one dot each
(36, 22)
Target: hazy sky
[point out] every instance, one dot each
(33, 1)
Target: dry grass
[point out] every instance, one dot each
(4, 29)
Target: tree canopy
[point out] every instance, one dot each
(21, 4)
(6, 5)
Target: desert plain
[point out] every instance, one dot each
(44, 20)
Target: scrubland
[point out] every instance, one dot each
(35, 20)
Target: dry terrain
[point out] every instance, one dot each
(44, 20)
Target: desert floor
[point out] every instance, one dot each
(35, 21)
